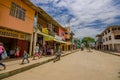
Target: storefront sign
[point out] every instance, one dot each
(12, 34)
(45, 30)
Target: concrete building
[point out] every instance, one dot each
(69, 39)
(16, 26)
(110, 38)
(99, 42)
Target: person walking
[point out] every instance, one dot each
(36, 52)
(25, 57)
(2, 52)
(40, 51)
(17, 52)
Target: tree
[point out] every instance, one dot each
(87, 41)
(77, 43)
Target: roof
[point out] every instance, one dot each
(98, 35)
(110, 27)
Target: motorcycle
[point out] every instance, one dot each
(57, 56)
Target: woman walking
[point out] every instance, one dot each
(36, 52)
(2, 52)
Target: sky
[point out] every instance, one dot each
(86, 18)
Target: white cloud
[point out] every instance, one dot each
(85, 32)
(85, 13)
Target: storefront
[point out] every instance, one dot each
(59, 43)
(45, 40)
(12, 39)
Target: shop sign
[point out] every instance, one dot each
(12, 34)
(58, 37)
(45, 30)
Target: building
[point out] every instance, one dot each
(68, 39)
(110, 38)
(47, 31)
(23, 25)
(16, 25)
(99, 42)
(62, 35)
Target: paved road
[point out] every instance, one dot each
(82, 65)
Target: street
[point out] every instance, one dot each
(82, 65)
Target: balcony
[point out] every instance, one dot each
(100, 40)
(39, 27)
(116, 32)
(51, 33)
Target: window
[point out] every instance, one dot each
(109, 37)
(117, 36)
(17, 11)
(106, 39)
(63, 34)
(108, 30)
(119, 28)
(103, 40)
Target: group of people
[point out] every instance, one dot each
(38, 53)
(4, 55)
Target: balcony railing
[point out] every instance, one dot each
(39, 27)
(116, 32)
(52, 33)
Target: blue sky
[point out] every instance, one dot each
(85, 17)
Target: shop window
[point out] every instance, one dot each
(117, 37)
(17, 11)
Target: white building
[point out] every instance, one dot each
(111, 38)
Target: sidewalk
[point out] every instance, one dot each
(13, 67)
(112, 53)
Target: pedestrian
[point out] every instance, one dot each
(17, 52)
(40, 50)
(57, 56)
(2, 52)
(25, 57)
(36, 52)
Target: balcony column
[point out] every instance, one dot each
(30, 48)
(113, 47)
(34, 43)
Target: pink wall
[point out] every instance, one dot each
(61, 31)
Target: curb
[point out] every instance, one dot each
(109, 53)
(22, 69)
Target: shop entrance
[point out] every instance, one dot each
(9, 45)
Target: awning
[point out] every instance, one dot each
(60, 41)
(46, 37)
